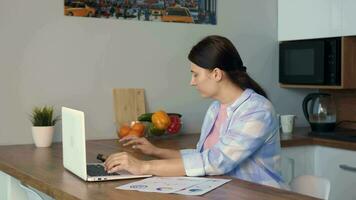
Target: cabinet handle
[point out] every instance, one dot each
(347, 168)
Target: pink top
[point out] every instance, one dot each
(213, 137)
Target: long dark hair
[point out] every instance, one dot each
(219, 52)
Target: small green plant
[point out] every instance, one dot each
(43, 116)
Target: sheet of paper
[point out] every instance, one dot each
(179, 185)
(204, 187)
(162, 184)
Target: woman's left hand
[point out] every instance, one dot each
(125, 161)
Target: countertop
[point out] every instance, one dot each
(42, 169)
(301, 137)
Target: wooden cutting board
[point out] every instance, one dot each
(129, 103)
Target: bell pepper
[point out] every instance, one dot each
(175, 124)
(146, 117)
(155, 131)
(161, 120)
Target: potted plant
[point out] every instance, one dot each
(43, 125)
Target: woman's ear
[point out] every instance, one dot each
(217, 74)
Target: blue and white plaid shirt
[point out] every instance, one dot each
(248, 147)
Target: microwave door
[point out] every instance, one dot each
(302, 62)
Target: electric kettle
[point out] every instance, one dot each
(319, 109)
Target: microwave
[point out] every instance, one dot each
(310, 62)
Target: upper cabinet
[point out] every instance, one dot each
(305, 19)
(348, 17)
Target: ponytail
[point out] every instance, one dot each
(244, 81)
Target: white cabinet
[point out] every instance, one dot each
(306, 19)
(337, 165)
(297, 161)
(348, 17)
(10, 189)
(329, 163)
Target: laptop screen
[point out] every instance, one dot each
(73, 140)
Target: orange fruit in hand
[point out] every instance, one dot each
(139, 127)
(124, 131)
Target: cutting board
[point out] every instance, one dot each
(129, 103)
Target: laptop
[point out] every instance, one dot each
(74, 151)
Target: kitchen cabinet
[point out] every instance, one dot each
(339, 166)
(10, 189)
(297, 161)
(305, 19)
(348, 10)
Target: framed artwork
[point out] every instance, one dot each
(179, 11)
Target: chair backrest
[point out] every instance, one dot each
(31, 195)
(315, 186)
(129, 103)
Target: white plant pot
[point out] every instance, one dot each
(42, 135)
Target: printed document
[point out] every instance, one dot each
(178, 185)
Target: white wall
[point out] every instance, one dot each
(48, 58)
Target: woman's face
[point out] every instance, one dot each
(204, 80)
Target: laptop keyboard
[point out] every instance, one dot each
(98, 170)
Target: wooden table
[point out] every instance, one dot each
(42, 169)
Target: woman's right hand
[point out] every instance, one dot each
(141, 144)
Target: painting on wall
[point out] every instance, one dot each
(181, 11)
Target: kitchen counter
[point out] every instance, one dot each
(42, 169)
(300, 137)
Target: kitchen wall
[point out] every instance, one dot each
(48, 58)
(345, 103)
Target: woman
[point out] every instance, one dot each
(239, 136)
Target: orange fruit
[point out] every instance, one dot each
(136, 133)
(139, 127)
(124, 131)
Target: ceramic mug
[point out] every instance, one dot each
(287, 123)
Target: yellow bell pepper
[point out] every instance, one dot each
(161, 120)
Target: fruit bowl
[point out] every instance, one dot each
(161, 123)
(173, 129)
(133, 128)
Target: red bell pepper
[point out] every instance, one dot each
(175, 125)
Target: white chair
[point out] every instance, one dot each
(31, 195)
(311, 185)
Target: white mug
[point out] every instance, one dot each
(287, 123)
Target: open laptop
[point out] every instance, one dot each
(74, 150)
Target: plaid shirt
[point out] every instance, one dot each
(248, 147)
